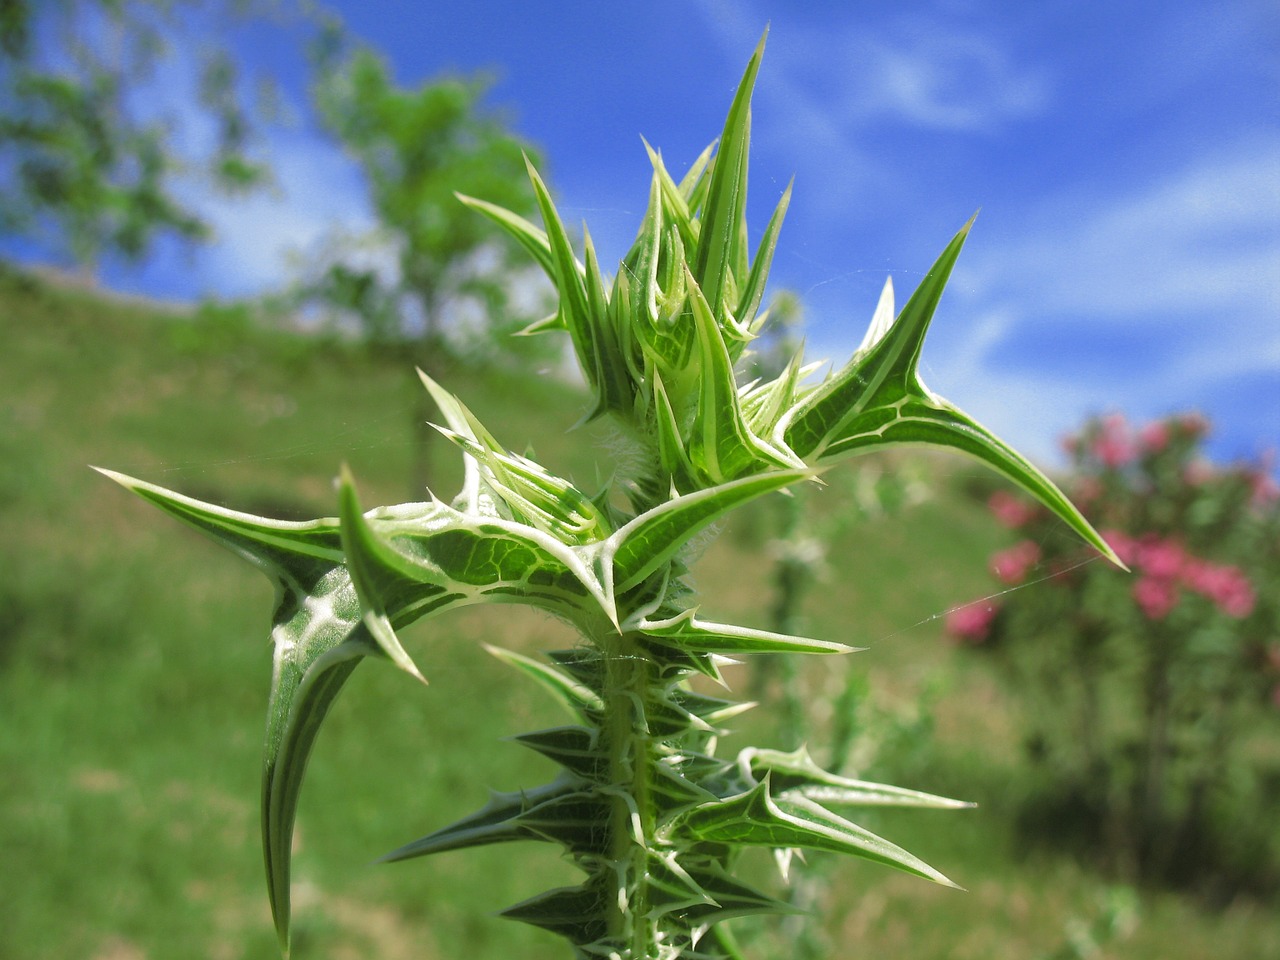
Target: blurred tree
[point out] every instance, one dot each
(87, 161)
(418, 147)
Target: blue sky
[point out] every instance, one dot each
(1125, 157)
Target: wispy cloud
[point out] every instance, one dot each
(916, 73)
(1197, 254)
(922, 70)
(1163, 299)
(318, 191)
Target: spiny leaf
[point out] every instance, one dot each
(755, 818)
(302, 691)
(723, 208)
(368, 575)
(499, 821)
(934, 422)
(569, 277)
(693, 185)
(642, 261)
(530, 237)
(891, 360)
(753, 290)
(575, 913)
(579, 699)
(724, 898)
(318, 637)
(881, 320)
(797, 772)
(674, 199)
(685, 630)
(653, 538)
(576, 748)
(763, 404)
(720, 443)
(878, 399)
(280, 548)
(671, 449)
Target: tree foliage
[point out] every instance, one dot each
(418, 147)
(431, 260)
(87, 157)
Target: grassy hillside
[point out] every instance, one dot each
(134, 669)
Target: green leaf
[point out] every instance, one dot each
(364, 553)
(671, 449)
(674, 199)
(274, 546)
(708, 895)
(763, 404)
(318, 636)
(934, 422)
(878, 400)
(684, 630)
(753, 291)
(569, 277)
(575, 913)
(796, 772)
(305, 684)
(878, 375)
(720, 443)
(756, 819)
(499, 821)
(722, 211)
(579, 699)
(613, 339)
(650, 540)
(576, 748)
(525, 233)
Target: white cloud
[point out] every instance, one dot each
(1198, 252)
(928, 76)
(1188, 270)
(1205, 237)
(919, 70)
(319, 191)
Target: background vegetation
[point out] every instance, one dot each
(130, 728)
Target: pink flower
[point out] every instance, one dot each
(1225, 585)
(1155, 597)
(1010, 510)
(1113, 447)
(1233, 593)
(1125, 546)
(972, 622)
(1197, 473)
(1262, 485)
(1162, 559)
(1086, 491)
(1154, 437)
(1011, 565)
(1192, 424)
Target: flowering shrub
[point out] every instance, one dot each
(1152, 700)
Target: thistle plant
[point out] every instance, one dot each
(642, 802)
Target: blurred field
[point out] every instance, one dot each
(134, 669)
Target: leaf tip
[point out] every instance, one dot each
(119, 478)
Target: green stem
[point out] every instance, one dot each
(628, 675)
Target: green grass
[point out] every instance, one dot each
(134, 669)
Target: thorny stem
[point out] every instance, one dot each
(628, 673)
